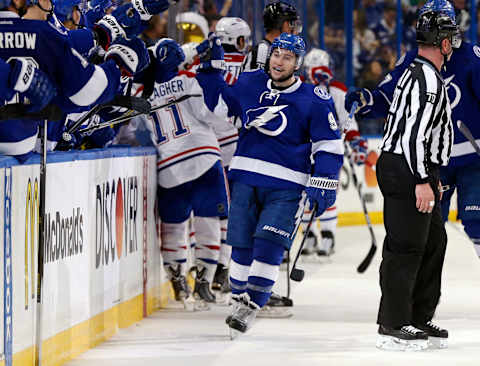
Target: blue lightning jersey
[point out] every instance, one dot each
(281, 131)
(79, 83)
(462, 79)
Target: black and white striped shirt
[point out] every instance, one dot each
(419, 123)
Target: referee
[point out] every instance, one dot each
(418, 139)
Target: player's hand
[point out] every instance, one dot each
(425, 198)
(147, 8)
(211, 58)
(323, 191)
(358, 145)
(131, 56)
(168, 56)
(32, 83)
(360, 95)
(124, 22)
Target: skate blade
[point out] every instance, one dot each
(274, 312)
(201, 305)
(234, 334)
(222, 299)
(188, 304)
(389, 343)
(437, 343)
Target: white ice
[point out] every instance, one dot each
(333, 323)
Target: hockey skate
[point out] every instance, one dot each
(437, 337)
(235, 302)
(221, 284)
(180, 286)
(311, 244)
(243, 317)
(406, 338)
(202, 294)
(277, 307)
(327, 244)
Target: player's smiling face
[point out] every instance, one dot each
(282, 64)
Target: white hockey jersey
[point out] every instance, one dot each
(183, 134)
(338, 91)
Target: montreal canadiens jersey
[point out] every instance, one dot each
(281, 130)
(462, 79)
(51, 51)
(182, 133)
(227, 134)
(338, 90)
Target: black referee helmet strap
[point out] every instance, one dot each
(276, 13)
(433, 27)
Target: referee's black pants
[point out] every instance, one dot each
(413, 250)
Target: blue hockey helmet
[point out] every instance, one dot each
(438, 6)
(290, 42)
(64, 9)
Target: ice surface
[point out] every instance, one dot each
(333, 323)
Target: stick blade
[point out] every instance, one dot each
(368, 259)
(297, 274)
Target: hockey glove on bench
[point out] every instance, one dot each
(28, 80)
(131, 56)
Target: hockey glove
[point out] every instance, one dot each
(168, 56)
(323, 191)
(130, 56)
(124, 22)
(211, 59)
(96, 11)
(358, 145)
(147, 8)
(362, 96)
(32, 83)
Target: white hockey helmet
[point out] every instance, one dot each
(230, 29)
(317, 66)
(194, 26)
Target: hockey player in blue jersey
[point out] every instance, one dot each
(36, 42)
(284, 123)
(462, 77)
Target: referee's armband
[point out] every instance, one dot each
(323, 183)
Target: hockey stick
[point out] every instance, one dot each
(297, 274)
(373, 248)
(19, 111)
(128, 115)
(41, 241)
(468, 134)
(133, 103)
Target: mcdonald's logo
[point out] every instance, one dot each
(31, 237)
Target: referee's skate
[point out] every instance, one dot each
(333, 320)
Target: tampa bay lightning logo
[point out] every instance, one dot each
(454, 92)
(268, 120)
(322, 93)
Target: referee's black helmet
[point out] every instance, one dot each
(276, 13)
(433, 27)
